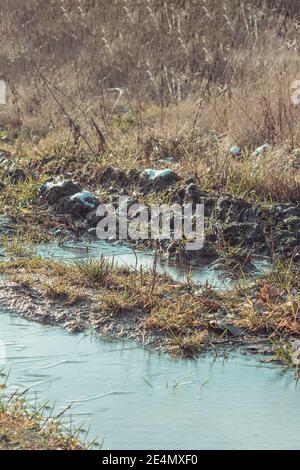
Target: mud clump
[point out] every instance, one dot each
(115, 179)
(67, 197)
(146, 181)
(52, 193)
(78, 205)
(236, 210)
(157, 180)
(229, 221)
(246, 233)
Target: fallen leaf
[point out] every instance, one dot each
(268, 294)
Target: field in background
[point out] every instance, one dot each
(129, 82)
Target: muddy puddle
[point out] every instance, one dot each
(133, 398)
(129, 397)
(125, 256)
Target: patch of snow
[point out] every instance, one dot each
(262, 149)
(87, 198)
(235, 151)
(51, 184)
(155, 174)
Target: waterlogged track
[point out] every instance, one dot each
(124, 255)
(133, 398)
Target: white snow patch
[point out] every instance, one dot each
(262, 149)
(52, 184)
(155, 174)
(87, 198)
(235, 151)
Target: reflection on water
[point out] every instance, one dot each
(135, 399)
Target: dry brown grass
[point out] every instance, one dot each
(22, 428)
(196, 77)
(187, 316)
(236, 58)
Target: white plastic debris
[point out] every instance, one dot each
(262, 149)
(235, 151)
(87, 198)
(155, 174)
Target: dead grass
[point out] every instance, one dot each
(23, 428)
(187, 315)
(209, 75)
